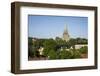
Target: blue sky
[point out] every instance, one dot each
(40, 26)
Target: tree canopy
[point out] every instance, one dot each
(56, 48)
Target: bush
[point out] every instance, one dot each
(52, 54)
(46, 51)
(32, 51)
(84, 50)
(65, 54)
(76, 54)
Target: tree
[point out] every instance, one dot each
(68, 45)
(30, 43)
(83, 50)
(36, 44)
(58, 39)
(56, 49)
(33, 52)
(33, 48)
(72, 43)
(46, 51)
(52, 54)
(30, 49)
(64, 54)
(49, 45)
(76, 54)
(81, 41)
(61, 43)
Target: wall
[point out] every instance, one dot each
(5, 33)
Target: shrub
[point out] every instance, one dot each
(84, 50)
(65, 54)
(76, 54)
(52, 54)
(32, 51)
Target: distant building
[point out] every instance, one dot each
(34, 39)
(41, 50)
(66, 36)
(80, 46)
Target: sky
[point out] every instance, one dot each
(42, 26)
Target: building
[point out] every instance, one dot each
(66, 36)
(41, 50)
(78, 46)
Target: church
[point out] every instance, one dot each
(66, 36)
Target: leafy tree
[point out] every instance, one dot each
(65, 54)
(52, 54)
(68, 45)
(45, 52)
(30, 50)
(81, 41)
(76, 54)
(30, 43)
(33, 52)
(58, 39)
(52, 48)
(84, 50)
(61, 43)
(49, 45)
(33, 48)
(72, 43)
(36, 44)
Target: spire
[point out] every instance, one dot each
(66, 34)
(65, 29)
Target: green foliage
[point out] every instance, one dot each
(46, 51)
(52, 54)
(84, 50)
(49, 45)
(32, 48)
(76, 54)
(64, 54)
(71, 54)
(36, 43)
(32, 51)
(52, 48)
(81, 41)
(30, 41)
(72, 43)
(62, 43)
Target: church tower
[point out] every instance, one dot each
(66, 36)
